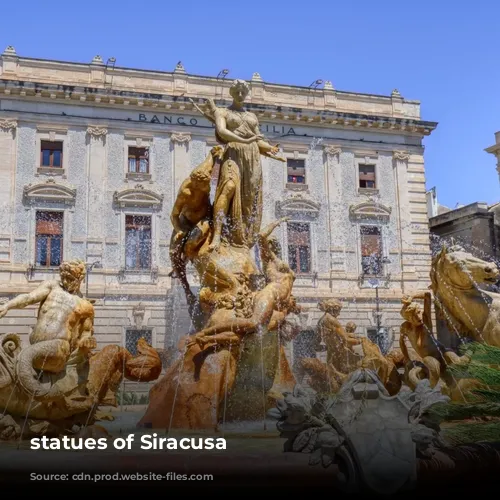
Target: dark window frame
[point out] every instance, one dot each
(367, 180)
(138, 224)
(51, 147)
(47, 239)
(299, 253)
(371, 263)
(298, 177)
(138, 154)
(131, 343)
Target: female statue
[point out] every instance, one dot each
(238, 198)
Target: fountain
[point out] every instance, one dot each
(227, 369)
(231, 370)
(56, 384)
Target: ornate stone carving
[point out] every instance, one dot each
(401, 155)
(370, 209)
(297, 203)
(10, 51)
(97, 132)
(56, 381)
(332, 150)
(179, 68)
(180, 138)
(138, 196)
(50, 191)
(138, 314)
(234, 304)
(7, 124)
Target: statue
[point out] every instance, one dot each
(238, 197)
(341, 360)
(235, 355)
(471, 312)
(57, 378)
(191, 206)
(430, 358)
(272, 303)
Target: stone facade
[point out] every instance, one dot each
(475, 226)
(98, 111)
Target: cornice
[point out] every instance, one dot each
(137, 196)
(168, 103)
(50, 191)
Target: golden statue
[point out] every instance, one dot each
(191, 206)
(274, 301)
(238, 198)
(57, 381)
(457, 279)
(429, 358)
(233, 307)
(341, 360)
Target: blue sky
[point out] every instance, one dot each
(444, 54)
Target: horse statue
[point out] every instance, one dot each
(471, 311)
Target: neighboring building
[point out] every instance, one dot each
(92, 156)
(495, 150)
(476, 227)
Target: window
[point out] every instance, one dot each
(371, 250)
(304, 346)
(51, 154)
(138, 160)
(296, 171)
(133, 336)
(49, 238)
(380, 336)
(367, 176)
(137, 242)
(299, 247)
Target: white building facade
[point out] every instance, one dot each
(92, 156)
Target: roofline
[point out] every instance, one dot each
(205, 77)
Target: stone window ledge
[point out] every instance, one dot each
(368, 191)
(296, 186)
(52, 171)
(135, 176)
(384, 282)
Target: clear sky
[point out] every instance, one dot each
(442, 53)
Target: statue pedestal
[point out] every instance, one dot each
(257, 367)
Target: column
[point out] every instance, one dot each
(400, 163)
(181, 161)
(96, 189)
(334, 195)
(7, 175)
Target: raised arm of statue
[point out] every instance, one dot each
(266, 252)
(27, 299)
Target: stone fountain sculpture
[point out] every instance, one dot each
(239, 309)
(457, 282)
(341, 359)
(458, 289)
(57, 382)
(372, 439)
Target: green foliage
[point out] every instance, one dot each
(132, 398)
(482, 402)
(472, 433)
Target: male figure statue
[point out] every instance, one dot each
(64, 326)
